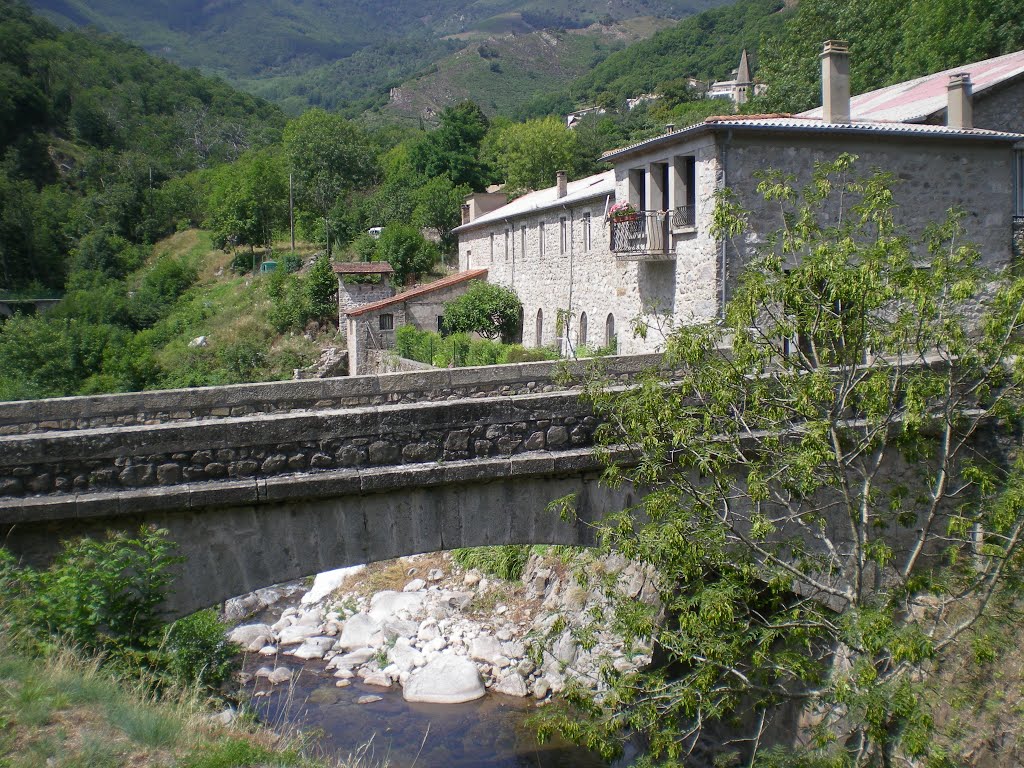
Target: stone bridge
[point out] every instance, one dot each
(9, 307)
(264, 483)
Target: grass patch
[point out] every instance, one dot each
(62, 711)
(505, 562)
(146, 724)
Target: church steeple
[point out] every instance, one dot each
(743, 81)
(743, 73)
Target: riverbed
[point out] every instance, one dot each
(491, 731)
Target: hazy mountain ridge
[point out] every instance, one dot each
(336, 54)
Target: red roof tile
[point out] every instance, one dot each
(437, 285)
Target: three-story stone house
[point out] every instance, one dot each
(587, 280)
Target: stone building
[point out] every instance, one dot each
(372, 326)
(584, 280)
(374, 285)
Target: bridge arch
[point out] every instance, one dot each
(331, 522)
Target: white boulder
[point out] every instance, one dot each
(445, 680)
(247, 634)
(360, 631)
(327, 582)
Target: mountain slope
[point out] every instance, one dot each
(253, 41)
(501, 73)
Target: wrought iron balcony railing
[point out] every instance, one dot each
(640, 235)
(684, 216)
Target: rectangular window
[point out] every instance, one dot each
(586, 232)
(684, 191)
(506, 244)
(541, 238)
(1018, 183)
(522, 241)
(563, 237)
(387, 322)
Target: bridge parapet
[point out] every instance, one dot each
(310, 395)
(261, 446)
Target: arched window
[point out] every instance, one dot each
(609, 333)
(540, 327)
(583, 329)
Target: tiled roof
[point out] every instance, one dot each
(437, 285)
(803, 124)
(599, 185)
(917, 100)
(363, 268)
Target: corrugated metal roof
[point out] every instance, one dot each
(802, 124)
(917, 100)
(597, 185)
(437, 285)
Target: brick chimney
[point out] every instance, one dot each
(561, 181)
(669, 127)
(960, 106)
(466, 215)
(835, 82)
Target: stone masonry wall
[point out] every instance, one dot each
(275, 444)
(177, 405)
(580, 279)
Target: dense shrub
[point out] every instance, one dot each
(103, 597)
(198, 651)
(485, 308)
(460, 350)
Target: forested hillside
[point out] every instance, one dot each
(890, 41)
(92, 132)
(341, 55)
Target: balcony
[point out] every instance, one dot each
(1017, 237)
(641, 236)
(684, 217)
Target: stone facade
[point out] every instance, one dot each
(576, 271)
(264, 446)
(371, 327)
(681, 280)
(557, 261)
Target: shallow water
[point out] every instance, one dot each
(488, 732)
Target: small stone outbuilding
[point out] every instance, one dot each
(372, 326)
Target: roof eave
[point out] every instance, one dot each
(557, 203)
(810, 128)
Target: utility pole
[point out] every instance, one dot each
(291, 209)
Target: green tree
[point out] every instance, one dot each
(322, 290)
(248, 200)
(485, 308)
(438, 206)
(826, 518)
(329, 157)
(453, 148)
(407, 251)
(529, 154)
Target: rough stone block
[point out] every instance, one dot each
(168, 474)
(382, 452)
(420, 452)
(535, 442)
(274, 464)
(557, 437)
(137, 475)
(457, 441)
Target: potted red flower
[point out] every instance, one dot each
(623, 211)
